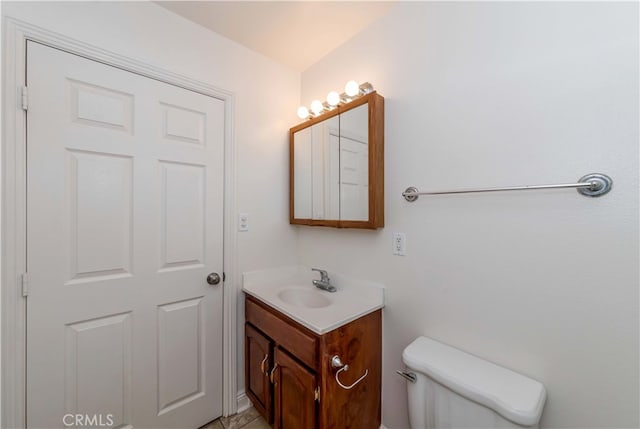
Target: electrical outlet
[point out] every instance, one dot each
(243, 222)
(399, 244)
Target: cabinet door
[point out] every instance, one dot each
(294, 390)
(258, 361)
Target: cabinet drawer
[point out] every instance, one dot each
(297, 342)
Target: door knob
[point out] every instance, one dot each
(213, 278)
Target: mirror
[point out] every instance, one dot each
(337, 167)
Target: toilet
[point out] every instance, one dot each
(454, 389)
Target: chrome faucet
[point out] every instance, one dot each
(324, 283)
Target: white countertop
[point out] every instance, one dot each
(353, 299)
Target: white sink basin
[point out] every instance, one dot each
(308, 298)
(290, 291)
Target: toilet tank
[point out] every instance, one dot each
(454, 389)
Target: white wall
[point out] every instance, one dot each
(267, 95)
(545, 282)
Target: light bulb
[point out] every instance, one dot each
(316, 107)
(351, 88)
(333, 98)
(303, 112)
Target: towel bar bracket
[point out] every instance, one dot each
(600, 185)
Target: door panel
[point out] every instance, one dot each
(258, 363)
(183, 205)
(294, 390)
(183, 124)
(124, 221)
(180, 340)
(98, 358)
(101, 211)
(101, 107)
(354, 179)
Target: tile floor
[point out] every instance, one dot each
(249, 419)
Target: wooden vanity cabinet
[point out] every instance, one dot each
(298, 389)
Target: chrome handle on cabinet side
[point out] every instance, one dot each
(336, 362)
(266, 356)
(272, 373)
(408, 375)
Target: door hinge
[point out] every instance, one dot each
(224, 276)
(25, 98)
(25, 284)
(317, 394)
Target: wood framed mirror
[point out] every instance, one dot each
(336, 167)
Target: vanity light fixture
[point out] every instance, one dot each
(366, 88)
(333, 98)
(351, 88)
(316, 107)
(351, 91)
(303, 112)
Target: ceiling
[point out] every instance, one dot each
(294, 33)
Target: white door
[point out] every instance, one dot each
(125, 203)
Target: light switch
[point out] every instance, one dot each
(243, 222)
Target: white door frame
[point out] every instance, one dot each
(14, 167)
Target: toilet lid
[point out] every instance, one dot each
(512, 395)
